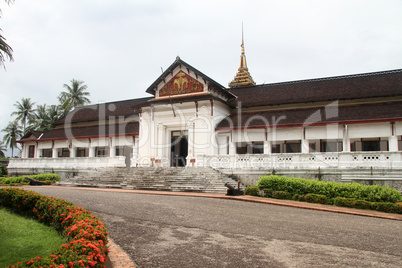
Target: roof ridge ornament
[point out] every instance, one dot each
(243, 77)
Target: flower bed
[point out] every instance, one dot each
(14, 181)
(85, 233)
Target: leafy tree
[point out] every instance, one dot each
(76, 95)
(3, 149)
(13, 133)
(5, 50)
(25, 111)
(46, 116)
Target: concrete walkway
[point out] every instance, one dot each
(118, 258)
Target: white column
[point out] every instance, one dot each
(37, 151)
(267, 147)
(72, 151)
(232, 148)
(54, 153)
(112, 151)
(91, 151)
(393, 143)
(346, 140)
(305, 146)
(160, 144)
(304, 143)
(393, 139)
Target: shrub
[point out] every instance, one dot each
(3, 170)
(252, 190)
(388, 207)
(46, 178)
(266, 192)
(281, 195)
(363, 204)
(317, 198)
(372, 193)
(298, 197)
(86, 234)
(344, 202)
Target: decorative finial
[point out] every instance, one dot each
(243, 77)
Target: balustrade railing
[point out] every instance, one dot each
(388, 160)
(67, 162)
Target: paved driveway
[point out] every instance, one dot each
(178, 231)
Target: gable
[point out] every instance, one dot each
(180, 84)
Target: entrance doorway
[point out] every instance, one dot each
(178, 148)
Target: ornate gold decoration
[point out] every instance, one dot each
(243, 77)
(182, 83)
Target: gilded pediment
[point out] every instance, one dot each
(181, 83)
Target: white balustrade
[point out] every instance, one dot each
(67, 162)
(388, 160)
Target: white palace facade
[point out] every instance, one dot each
(351, 122)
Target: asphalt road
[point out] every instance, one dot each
(177, 231)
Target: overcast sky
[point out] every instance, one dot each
(118, 47)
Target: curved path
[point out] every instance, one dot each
(186, 231)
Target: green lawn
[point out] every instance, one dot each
(22, 239)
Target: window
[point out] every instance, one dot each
(82, 152)
(64, 152)
(312, 147)
(331, 146)
(258, 147)
(370, 145)
(31, 151)
(47, 153)
(276, 148)
(400, 143)
(101, 152)
(119, 151)
(241, 148)
(292, 146)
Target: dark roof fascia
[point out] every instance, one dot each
(181, 100)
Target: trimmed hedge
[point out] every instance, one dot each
(252, 190)
(317, 198)
(353, 195)
(13, 181)
(372, 193)
(85, 233)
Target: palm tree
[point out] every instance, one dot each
(75, 94)
(4, 47)
(46, 116)
(13, 133)
(24, 111)
(3, 149)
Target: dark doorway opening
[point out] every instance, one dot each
(31, 151)
(178, 148)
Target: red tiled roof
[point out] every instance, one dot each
(389, 111)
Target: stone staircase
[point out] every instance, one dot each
(206, 180)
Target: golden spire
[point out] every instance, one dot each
(243, 77)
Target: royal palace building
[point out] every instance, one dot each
(349, 123)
